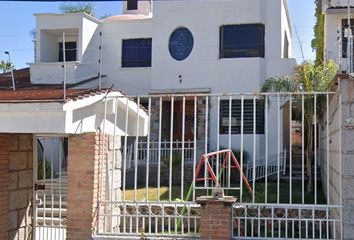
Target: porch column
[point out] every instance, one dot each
(83, 184)
(216, 217)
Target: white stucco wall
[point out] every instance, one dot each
(78, 27)
(130, 80)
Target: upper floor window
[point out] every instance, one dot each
(345, 35)
(242, 41)
(136, 52)
(70, 51)
(132, 4)
(248, 120)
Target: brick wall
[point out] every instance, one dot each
(215, 217)
(85, 159)
(4, 179)
(20, 186)
(16, 174)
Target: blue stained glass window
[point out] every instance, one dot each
(136, 52)
(181, 43)
(242, 41)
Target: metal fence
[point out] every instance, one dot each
(276, 163)
(158, 198)
(164, 149)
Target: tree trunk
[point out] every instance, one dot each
(309, 154)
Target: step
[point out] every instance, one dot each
(51, 221)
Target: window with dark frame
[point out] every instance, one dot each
(242, 41)
(132, 4)
(344, 38)
(70, 51)
(136, 52)
(248, 120)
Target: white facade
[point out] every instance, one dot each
(202, 71)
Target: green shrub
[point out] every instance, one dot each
(176, 159)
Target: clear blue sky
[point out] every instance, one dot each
(17, 21)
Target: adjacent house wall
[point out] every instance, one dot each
(341, 155)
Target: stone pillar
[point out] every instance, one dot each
(4, 182)
(16, 178)
(216, 217)
(84, 163)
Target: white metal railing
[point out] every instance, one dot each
(272, 168)
(285, 221)
(158, 198)
(164, 149)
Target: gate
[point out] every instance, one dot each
(50, 187)
(157, 199)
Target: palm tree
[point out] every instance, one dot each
(307, 77)
(6, 66)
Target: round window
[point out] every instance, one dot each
(181, 43)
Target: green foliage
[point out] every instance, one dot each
(6, 66)
(80, 7)
(176, 159)
(40, 168)
(308, 77)
(317, 43)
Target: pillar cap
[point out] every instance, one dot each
(209, 200)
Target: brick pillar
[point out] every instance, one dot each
(83, 185)
(4, 182)
(216, 217)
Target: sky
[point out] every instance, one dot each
(18, 20)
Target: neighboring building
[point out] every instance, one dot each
(336, 45)
(159, 47)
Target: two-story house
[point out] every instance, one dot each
(175, 47)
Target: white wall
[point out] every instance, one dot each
(203, 68)
(130, 80)
(78, 27)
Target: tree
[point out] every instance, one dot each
(81, 7)
(317, 43)
(308, 77)
(6, 66)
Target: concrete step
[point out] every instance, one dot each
(49, 211)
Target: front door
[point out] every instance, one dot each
(178, 120)
(50, 188)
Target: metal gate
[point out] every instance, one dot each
(50, 187)
(154, 196)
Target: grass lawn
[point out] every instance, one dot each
(260, 193)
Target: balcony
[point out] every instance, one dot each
(53, 72)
